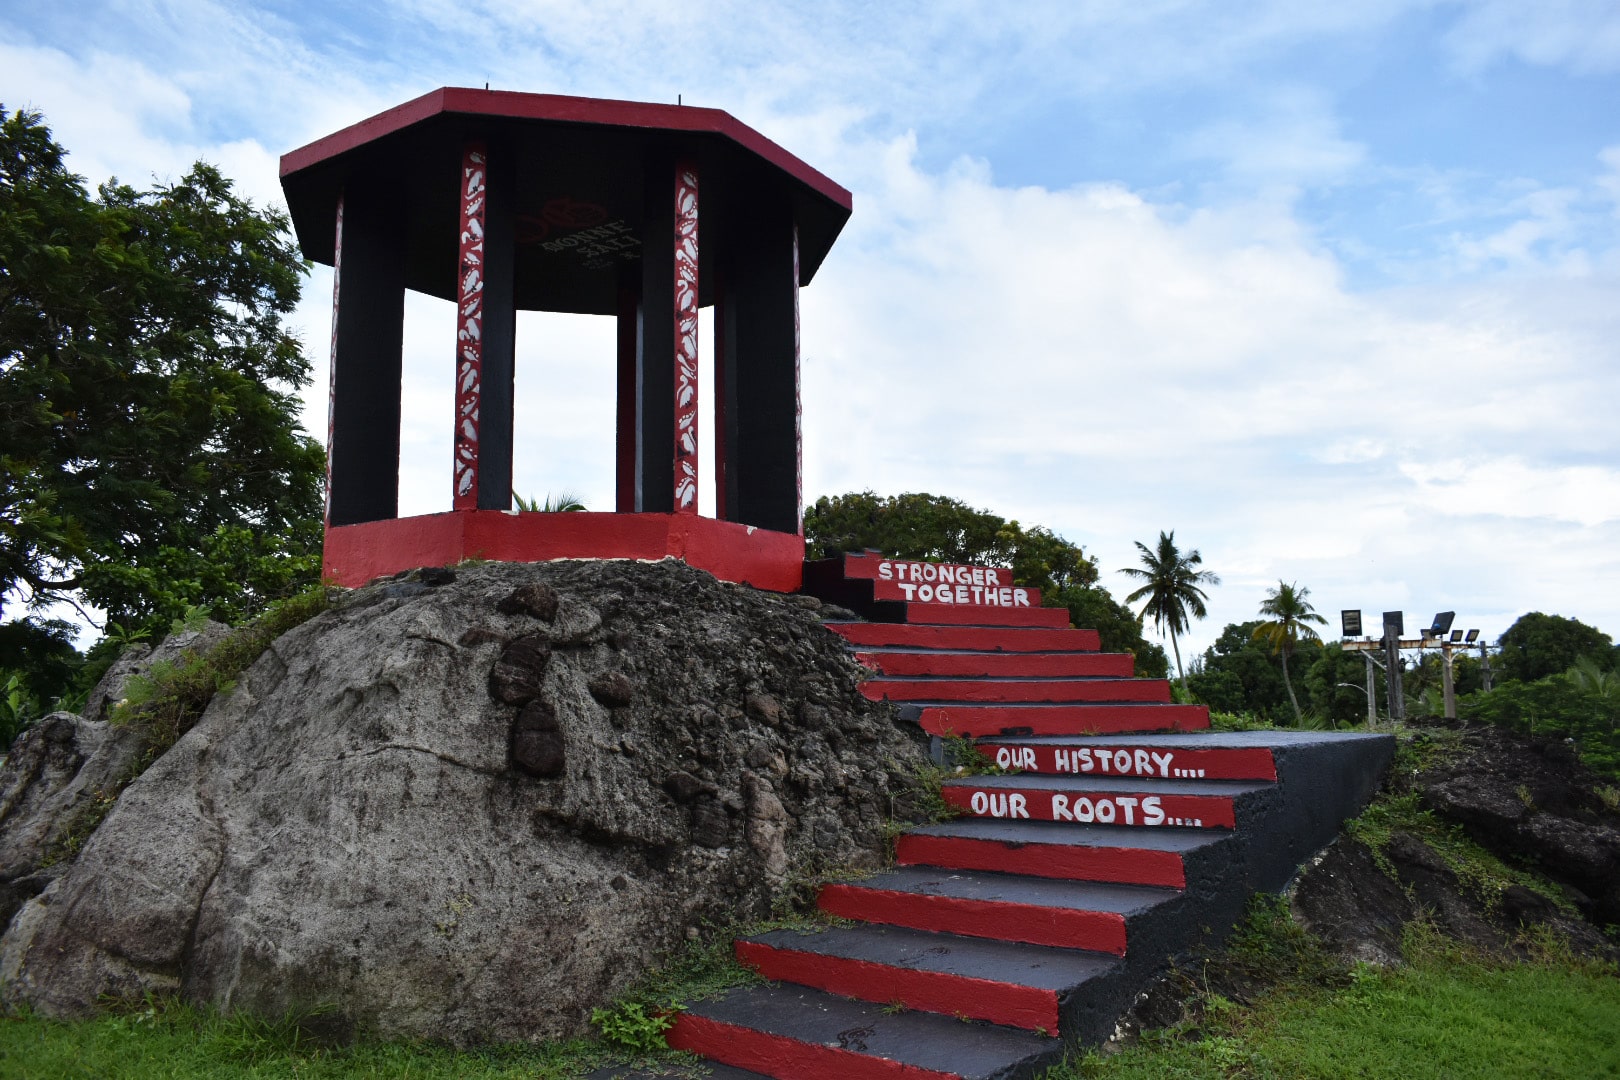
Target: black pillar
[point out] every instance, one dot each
(500, 337)
(760, 392)
(366, 346)
(655, 352)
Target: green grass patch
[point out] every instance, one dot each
(1443, 1014)
(171, 1041)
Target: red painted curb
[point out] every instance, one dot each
(784, 1058)
(998, 692)
(1000, 920)
(1038, 803)
(971, 615)
(984, 639)
(969, 721)
(1162, 762)
(1126, 866)
(999, 665)
(929, 991)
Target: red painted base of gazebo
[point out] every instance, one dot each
(355, 554)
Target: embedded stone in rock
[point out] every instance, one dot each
(536, 599)
(764, 708)
(517, 675)
(435, 576)
(711, 828)
(537, 741)
(683, 787)
(612, 688)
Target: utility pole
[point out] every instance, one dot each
(1372, 691)
(1484, 666)
(1394, 623)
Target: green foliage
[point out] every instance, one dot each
(1238, 674)
(564, 502)
(1584, 707)
(1336, 682)
(1172, 588)
(148, 412)
(630, 1026)
(1289, 621)
(940, 529)
(1538, 645)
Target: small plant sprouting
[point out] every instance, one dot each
(629, 1025)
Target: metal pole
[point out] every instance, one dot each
(1372, 690)
(1484, 667)
(1447, 684)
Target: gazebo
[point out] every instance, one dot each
(499, 201)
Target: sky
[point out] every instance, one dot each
(1332, 291)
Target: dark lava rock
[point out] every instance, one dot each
(612, 688)
(537, 740)
(519, 674)
(536, 599)
(1357, 910)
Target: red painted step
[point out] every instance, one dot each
(970, 721)
(1166, 757)
(972, 615)
(983, 639)
(997, 981)
(1012, 691)
(1006, 907)
(1108, 801)
(1056, 850)
(795, 1033)
(997, 665)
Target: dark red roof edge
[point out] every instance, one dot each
(509, 103)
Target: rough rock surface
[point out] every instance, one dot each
(469, 806)
(61, 765)
(1531, 801)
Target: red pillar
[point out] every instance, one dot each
(469, 325)
(686, 338)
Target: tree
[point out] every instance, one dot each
(149, 443)
(1291, 616)
(921, 526)
(1118, 629)
(1173, 589)
(1538, 645)
(1237, 674)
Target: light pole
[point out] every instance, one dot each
(1434, 635)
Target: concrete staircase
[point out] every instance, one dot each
(1126, 833)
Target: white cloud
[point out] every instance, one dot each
(1582, 35)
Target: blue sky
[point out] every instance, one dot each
(1333, 291)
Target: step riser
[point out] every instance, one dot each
(1163, 763)
(1086, 807)
(950, 995)
(883, 568)
(994, 639)
(785, 1058)
(968, 721)
(999, 665)
(993, 692)
(979, 596)
(1098, 931)
(969, 615)
(1125, 866)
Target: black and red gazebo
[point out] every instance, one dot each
(499, 201)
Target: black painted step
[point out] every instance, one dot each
(999, 981)
(795, 1033)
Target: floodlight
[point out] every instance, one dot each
(1396, 621)
(1442, 622)
(1472, 635)
(1456, 636)
(1351, 621)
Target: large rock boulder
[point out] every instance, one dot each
(62, 770)
(470, 805)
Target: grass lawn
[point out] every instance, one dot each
(1440, 1016)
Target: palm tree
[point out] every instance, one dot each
(1172, 589)
(1291, 616)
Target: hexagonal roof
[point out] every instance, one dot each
(578, 163)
